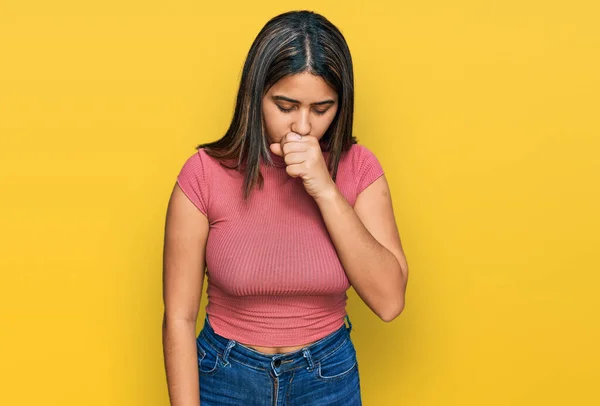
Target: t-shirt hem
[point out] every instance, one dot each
(289, 340)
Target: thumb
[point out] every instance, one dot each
(276, 149)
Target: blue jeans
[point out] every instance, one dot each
(322, 373)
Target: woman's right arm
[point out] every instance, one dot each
(186, 232)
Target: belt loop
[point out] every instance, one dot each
(230, 345)
(349, 328)
(306, 354)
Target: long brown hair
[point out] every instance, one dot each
(288, 44)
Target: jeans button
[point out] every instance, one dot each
(277, 363)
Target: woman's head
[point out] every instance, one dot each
(302, 103)
(297, 77)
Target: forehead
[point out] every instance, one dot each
(304, 87)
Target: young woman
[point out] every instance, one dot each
(286, 212)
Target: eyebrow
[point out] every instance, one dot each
(279, 97)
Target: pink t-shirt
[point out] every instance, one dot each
(274, 276)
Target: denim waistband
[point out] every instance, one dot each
(278, 363)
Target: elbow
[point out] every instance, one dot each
(395, 305)
(391, 312)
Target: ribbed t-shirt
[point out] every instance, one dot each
(274, 276)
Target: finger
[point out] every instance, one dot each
(292, 136)
(289, 137)
(276, 149)
(285, 139)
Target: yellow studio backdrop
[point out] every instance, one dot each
(483, 114)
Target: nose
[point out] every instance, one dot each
(301, 124)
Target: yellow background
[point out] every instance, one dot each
(483, 114)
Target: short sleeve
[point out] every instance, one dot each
(369, 168)
(192, 180)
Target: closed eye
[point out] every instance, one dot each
(319, 112)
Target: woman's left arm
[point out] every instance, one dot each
(368, 244)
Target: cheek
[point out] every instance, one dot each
(274, 120)
(325, 123)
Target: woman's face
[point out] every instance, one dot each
(301, 103)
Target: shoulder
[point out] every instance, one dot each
(193, 179)
(366, 166)
(356, 155)
(359, 158)
(199, 163)
(199, 156)
(194, 160)
(361, 153)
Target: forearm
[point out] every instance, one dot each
(181, 362)
(372, 269)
